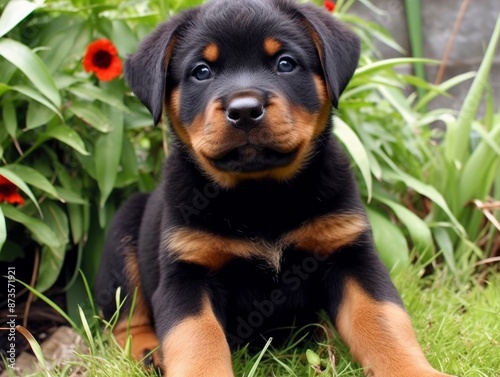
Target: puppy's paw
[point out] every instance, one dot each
(144, 345)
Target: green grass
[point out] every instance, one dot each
(458, 326)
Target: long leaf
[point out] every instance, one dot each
(107, 156)
(41, 232)
(14, 12)
(16, 180)
(371, 68)
(423, 189)
(32, 66)
(357, 151)
(457, 138)
(33, 94)
(443, 240)
(389, 240)
(420, 233)
(50, 267)
(443, 88)
(51, 303)
(33, 177)
(479, 170)
(35, 347)
(66, 135)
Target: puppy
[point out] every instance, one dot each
(257, 224)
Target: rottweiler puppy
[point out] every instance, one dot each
(257, 224)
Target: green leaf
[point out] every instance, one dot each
(3, 230)
(107, 156)
(371, 68)
(40, 231)
(33, 94)
(92, 93)
(35, 347)
(38, 115)
(420, 233)
(479, 170)
(443, 88)
(422, 188)
(446, 246)
(55, 217)
(389, 240)
(14, 12)
(67, 136)
(33, 177)
(357, 151)
(91, 115)
(129, 172)
(32, 66)
(11, 251)
(16, 180)
(69, 196)
(4, 88)
(398, 101)
(457, 139)
(76, 222)
(9, 118)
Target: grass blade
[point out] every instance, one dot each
(35, 347)
(457, 138)
(257, 362)
(51, 303)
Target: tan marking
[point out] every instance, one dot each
(321, 236)
(197, 347)
(272, 46)
(327, 234)
(286, 128)
(138, 326)
(211, 52)
(173, 110)
(380, 336)
(213, 251)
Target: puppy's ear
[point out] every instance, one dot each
(338, 49)
(146, 70)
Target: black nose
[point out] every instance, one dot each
(245, 113)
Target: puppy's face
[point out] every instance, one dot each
(246, 86)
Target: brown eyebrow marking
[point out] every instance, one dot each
(272, 46)
(211, 52)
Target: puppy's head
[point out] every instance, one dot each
(248, 85)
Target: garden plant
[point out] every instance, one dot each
(75, 143)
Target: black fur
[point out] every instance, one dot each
(255, 209)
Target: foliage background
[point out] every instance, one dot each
(77, 147)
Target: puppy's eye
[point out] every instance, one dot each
(202, 72)
(286, 64)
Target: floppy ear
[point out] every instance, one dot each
(146, 70)
(338, 49)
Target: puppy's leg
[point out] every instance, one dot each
(119, 268)
(370, 317)
(192, 338)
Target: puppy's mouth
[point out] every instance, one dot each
(251, 158)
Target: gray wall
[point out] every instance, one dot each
(438, 18)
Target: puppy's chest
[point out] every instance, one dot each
(318, 237)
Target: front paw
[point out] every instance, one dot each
(144, 345)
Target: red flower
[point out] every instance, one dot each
(329, 5)
(102, 58)
(8, 192)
